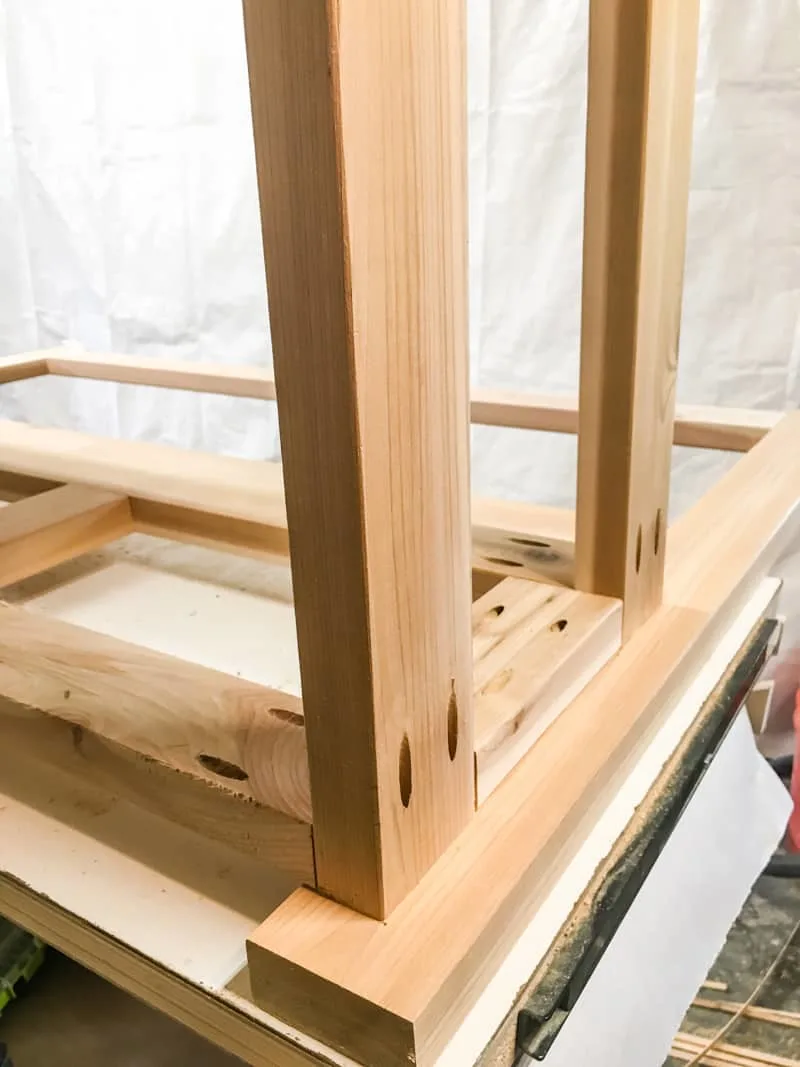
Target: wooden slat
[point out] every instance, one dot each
(229, 380)
(238, 503)
(642, 62)
(359, 119)
(43, 530)
(404, 985)
(535, 647)
(196, 805)
(696, 426)
(244, 491)
(241, 736)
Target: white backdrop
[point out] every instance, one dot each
(129, 217)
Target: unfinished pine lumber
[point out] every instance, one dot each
(46, 529)
(535, 647)
(642, 62)
(696, 426)
(238, 504)
(239, 735)
(404, 984)
(360, 136)
(217, 814)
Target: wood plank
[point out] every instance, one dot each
(248, 491)
(240, 736)
(18, 368)
(325, 968)
(238, 503)
(359, 120)
(696, 426)
(183, 799)
(535, 648)
(642, 63)
(228, 379)
(47, 529)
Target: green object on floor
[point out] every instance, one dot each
(21, 956)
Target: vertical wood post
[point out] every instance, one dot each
(359, 111)
(642, 67)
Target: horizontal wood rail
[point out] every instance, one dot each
(51, 527)
(238, 503)
(696, 426)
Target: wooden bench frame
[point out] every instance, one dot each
(443, 756)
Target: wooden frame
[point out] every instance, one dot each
(419, 791)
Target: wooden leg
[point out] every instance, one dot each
(642, 61)
(359, 117)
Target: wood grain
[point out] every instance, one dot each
(240, 736)
(49, 528)
(425, 965)
(535, 647)
(696, 426)
(642, 63)
(214, 813)
(238, 503)
(359, 113)
(228, 379)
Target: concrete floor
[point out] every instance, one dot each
(71, 1018)
(764, 924)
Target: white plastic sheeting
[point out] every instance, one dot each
(129, 216)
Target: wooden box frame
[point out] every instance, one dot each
(424, 786)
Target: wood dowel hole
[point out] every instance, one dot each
(638, 549)
(452, 724)
(558, 626)
(284, 715)
(405, 771)
(503, 562)
(657, 534)
(530, 542)
(222, 767)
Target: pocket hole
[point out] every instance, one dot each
(284, 715)
(558, 626)
(638, 549)
(405, 771)
(222, 767)
(530, 542)
(498, 609)
(452, 724)
(503, 562)
(657, 535)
